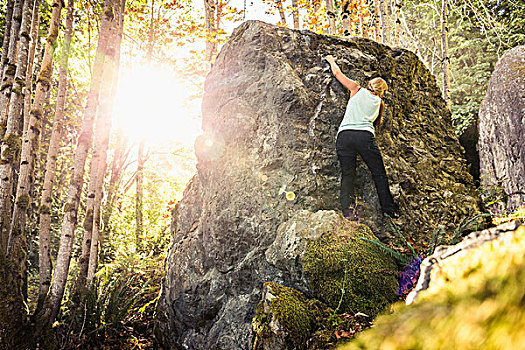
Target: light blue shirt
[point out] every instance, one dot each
(361, 111)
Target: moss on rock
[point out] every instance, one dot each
(475, 301)
(286, 319)
(348, 273)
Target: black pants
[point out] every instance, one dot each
(349, 144)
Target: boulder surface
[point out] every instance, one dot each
(271, 110)
(501, 129)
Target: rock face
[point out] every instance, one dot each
(501, 129)
(270, 115)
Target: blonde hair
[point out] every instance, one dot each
(378, 86)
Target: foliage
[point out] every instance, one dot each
(475, 301)
(117, 308)
(480, 32)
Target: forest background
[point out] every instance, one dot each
(100, 106)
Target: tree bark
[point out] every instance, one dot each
(345, 18)
(444, 52)
(108, 91)
(330, 12)
(211, 31)
(9, 67)
(281, 12)
(10, 148)
(51, 163)
(385, 22)
(295, 14)
(140, 194)
(7, 30)
(398, 22)
(75, 188)
(13, 317)
(377, 20)
(35, 22)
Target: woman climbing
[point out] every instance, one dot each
(356, 136)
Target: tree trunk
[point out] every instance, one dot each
(377, 20)
(11, 143)
(331, 16)
(281, 12)
(9, 67)
(35, 22)
(295, 14)
(117, 169)
(444, 52)
(51, 162)
(385, 22)
(98, 163)
(75, 188)
(13, 317)
(7, 30)
(398, 22)
(140, 193)
(211, 31)
(345, 18)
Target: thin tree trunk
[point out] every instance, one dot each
(108, 91)
(281, 12)
(398, 22)
(377, 20)
(345, 18)
(13, 318)
(75, 188)
(295, 14)
(211, 31)
(7, 30)
(331, 16)
(444, 52)
(9, 67)
(117, 170)
(96, 241)
(51, 163)
(385, 22)
(35, 22)
(140, 194)
(11, 143)
(149, 51)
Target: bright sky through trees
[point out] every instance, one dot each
(154, 105)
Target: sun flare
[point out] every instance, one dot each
(154, 105)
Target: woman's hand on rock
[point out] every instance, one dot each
(330, 59)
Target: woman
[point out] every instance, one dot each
(356, 136)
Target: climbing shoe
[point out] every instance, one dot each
(350, 214)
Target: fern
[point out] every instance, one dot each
(394, 228)
(389, 251)
(463, 225)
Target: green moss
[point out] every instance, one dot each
(45, 209)
(475, 301)
(303, 321)
(23, 201)
(13, 143)
(347, 272)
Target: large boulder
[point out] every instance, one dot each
(270, 115)
(501, 129)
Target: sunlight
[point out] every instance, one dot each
(155, 105)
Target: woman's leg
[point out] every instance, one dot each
(347, 156)
(373, 159)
